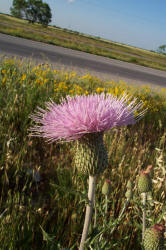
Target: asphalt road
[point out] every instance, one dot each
(112, 69)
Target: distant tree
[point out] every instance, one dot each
(18, 8)
(32, 10)
(44, 15)
(162, 49)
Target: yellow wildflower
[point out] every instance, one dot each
(45, 80)
(99, 90)
(3, 71)
(23, 77)
(116, 91)
(4, 79)
(38, 81)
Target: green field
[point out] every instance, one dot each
(75, 40)
(42, 196)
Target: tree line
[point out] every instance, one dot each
(32, 10)
(162, 49)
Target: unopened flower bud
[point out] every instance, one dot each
(129, 194)
(106, 187)
(154, 237)
(129, 185)
(144, 182)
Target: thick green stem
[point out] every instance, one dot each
(89, 208)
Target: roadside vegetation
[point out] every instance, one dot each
(74, 40)
(42, 196)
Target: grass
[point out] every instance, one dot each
(42, 196)
(75, 40)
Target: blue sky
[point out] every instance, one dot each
(139, 23)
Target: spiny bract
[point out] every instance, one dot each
(154, 238)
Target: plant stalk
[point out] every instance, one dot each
(106, 205)
(89, 208)
(105, 215)
(95, 211)
(144, 196)
(124, 209)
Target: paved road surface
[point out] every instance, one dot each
(80, 61)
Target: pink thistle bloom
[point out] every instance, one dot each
(80, 115)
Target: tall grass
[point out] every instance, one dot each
(42, 196)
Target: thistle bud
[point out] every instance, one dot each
(154, 237)
(106, 187)
(129, 194)
(129, 185)
(144, 182)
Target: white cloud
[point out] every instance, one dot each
(70, 1)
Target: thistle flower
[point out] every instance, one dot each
(80, 115)
(85, 118)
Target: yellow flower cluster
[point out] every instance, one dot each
(42, 73)
(74, 85)
(4, 76)
(69, 83)
(9, 71)
(5, 72)
(71, 89)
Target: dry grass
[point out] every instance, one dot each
(48, 213)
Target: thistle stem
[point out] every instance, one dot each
(95, 216)
(124, 208)
(144, 196)
(105, 215)
(119, 218)
(106, 205)
(89, 208)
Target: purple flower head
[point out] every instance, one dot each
(80, 115)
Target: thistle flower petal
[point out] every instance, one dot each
(80, 115)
